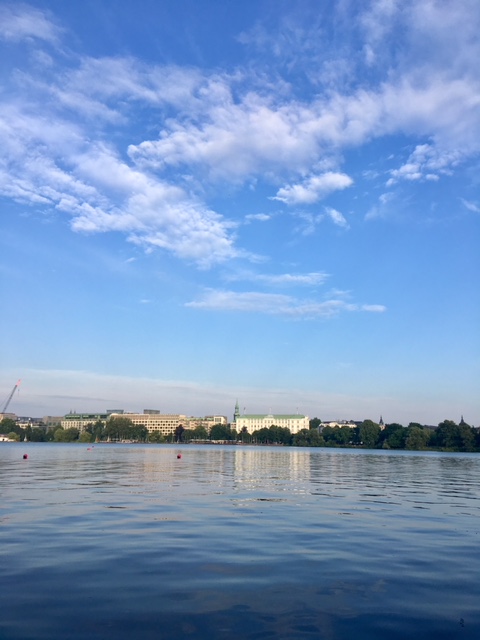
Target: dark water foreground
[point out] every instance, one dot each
(127, 541)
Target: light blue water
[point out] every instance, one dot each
(127, 541)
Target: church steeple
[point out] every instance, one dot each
(237, 412)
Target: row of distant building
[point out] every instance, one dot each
(166, 424)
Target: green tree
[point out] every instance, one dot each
(179, 431)
(280, 435)
(85, 436)
(477, 438)
(262, 435)
(466, 436)
(308, 438)
(13, 436)
(155, 437)
(338, 436)
(447, 436)
(273, 435)
(59, 434)
(7, 425)
(37, 434)
(49, 434)
(88, 428)
(66, 435)
(454, 437)
(118, 428)
(393, 436)
(369, 434)
(416, 438)
(188, 435)
(314, 423)
(245, 436)
(139, 433)
(199, 433)
(220, 432)
(98, 430)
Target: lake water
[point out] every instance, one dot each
(128, 541)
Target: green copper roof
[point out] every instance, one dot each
(253, 416)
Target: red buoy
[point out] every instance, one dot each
(179, 455)
(25, 456)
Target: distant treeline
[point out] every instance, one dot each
(116, 429)
(447, 436)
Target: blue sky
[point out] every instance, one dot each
(272, 201)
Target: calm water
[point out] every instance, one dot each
(127, 541)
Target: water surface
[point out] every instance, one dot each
(122, 541)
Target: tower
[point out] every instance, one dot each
(237, 412)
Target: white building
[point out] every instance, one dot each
(337, 423)
(253, 422)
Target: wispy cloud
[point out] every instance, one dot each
(471, 206)
(282, 279)
(383, 207)
(277, 304)
(21, 22)
(337, 218)
(259, 217)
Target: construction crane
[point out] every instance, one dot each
(5, 407)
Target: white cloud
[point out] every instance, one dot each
(20, 22)
(426, 162)
(313, 188)
(52, 165)
(233, 139)
(276, 304)
(57, 149)
(437, 107)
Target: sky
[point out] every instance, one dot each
(265, 201)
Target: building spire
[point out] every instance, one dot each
(237, 412)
